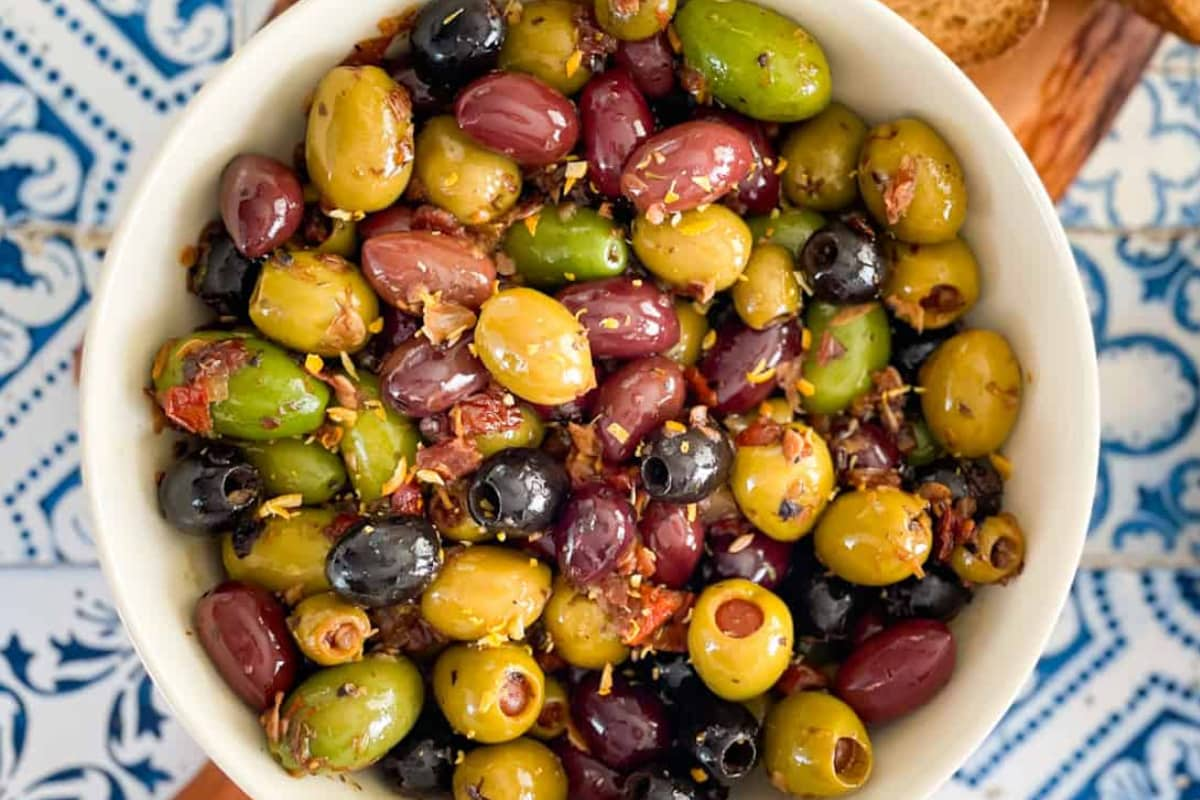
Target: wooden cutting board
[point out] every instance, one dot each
(1059, 91)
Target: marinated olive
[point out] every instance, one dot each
(294, 466)
(864, 453)
(517, 770)
(595, 530)
(932, 285)
(974, 478)
(816, 745)
(754, 60)
(996, 554)
(519, 116)
(424, 761)
(582, 633)
(359, 143)
(912, 182)
(375, 440)
(624, 317)
(449, 513)
(455, 40)
(544, 42)
(768, 292)
(472, 183)
(685, 465)
(925, 447)
(775, 409)
(486, 590)
(393, 219)
(686, 166)
(672, 782)
(552, 719)
(381, 562)
(210, 490)
(566, 243)
(488, 694)
(346, 717)
(783, 487)
(518, 491)
(633, 22)
(822, 159)
(624, 725)
(736, 550)
(844, 262)
(222, 277)
(758, 192)
(740, 368)
(427, 98)
(529, 432)
(420, 378)
(703, 251)
(651, 62)
(740, 638)
(671, 674)
(874, 537)
(329, 630)
(898, 670)
(287, 555)
(849, 343)
(720, 735)
(261, 203)
(408, 267)
(616, 119)
(822, 604)
(534, 347)
(675, 535)
(938, 594)
(634, 401)
(693, 327)
(972, 392)
(910, 349)
(243, 631)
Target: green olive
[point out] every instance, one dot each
(767, 292)
(313, 303)
(932, 285)
(486, 591)
(776, 409)
(648, 18)
(927, 448)
(359, 142)
(840, 370)
(346, 717)
(329, 630)
(782, 488)
(544, 43)
(693, 327)
(520, 770)
(789, 228)
(342, 239)
(815, 745)
(874, 537)
(996, 554)
(754, 60)
(488, 694)
(296, 466)
(288, 554)
(529, 433)
(566, 243)
(552, 720)
(740, 639)
(534, 347)
(582, 633)
(449, 513)
(971, 392)
(472, 183)
(822, 159)
(375, 439)
(232, 384)
(912, 182)
(701, 252)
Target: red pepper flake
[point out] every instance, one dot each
(900, 189)
(830, 349)
(801, 677)
(187, 407)
(760, 433)
(700, 387)
(407, 500)
(451, 459)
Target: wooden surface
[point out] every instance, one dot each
(1059, 91)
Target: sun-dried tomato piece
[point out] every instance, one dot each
(451, 459)
(187, 407)
(830, 349)
(699, 385)
(492, 411)
(340, 524)
(762, 432)
(408, 500)
(800, 677)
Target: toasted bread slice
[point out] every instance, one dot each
(971, 31)
(1178, 16)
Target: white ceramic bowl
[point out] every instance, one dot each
(883, 68)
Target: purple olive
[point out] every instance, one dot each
(625, 727)
(862, 451)
(587, 778)
(758, 193)
(594, 531)
(262, 203)
(675, 534)
(519, 116)
(686, 166)
(737, 550)
(634, 401)
(616, 119)
(405, 268)
(420, 378)
(651, 62)
(623, 317)
(394, 219)
(736, 368)
(898, 670)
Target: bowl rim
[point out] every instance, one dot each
(989, 710)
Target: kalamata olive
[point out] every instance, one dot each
(722, 736)
(595, 529)
(244, 631)
(863, 452)
(939, 595)
(758, 192)
(651, 62)
(616, 119)
(455, 40)
(660, 782)
(740, 367)
(406, 268)
(423, 762)
(898, 670)
(624, 317)
(686, 166)
(208, 491)
(675, 534)
(822, 604)
(420, 378)
(910, 349)
(625, 727)
(398, 328)
(635, 400)
(736, 550)
(427, 98)
(518, 491)
(587, 778)
(845, 261)
(381, 562)
(519, 116)
(222, 277)
(261, 203)
(686, 465)
(394, 219)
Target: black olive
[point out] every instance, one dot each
(427, 99)
(671, 675)
(424, 761)
(222, 277)
(821, 603)
(686, 466)
(946, 472)
(663, 783)
(518, 491)
(939, 595)
(844, 261)
(677, 107)
(910, 349)
(985, 485)
(381, 562)
(455, 40)
(210, 490)
(723, 737)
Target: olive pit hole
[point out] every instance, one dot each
(851, 762)
(515, 694)
(487, 501)
(655, 474)
(739, 757)
(240, 486)
(738, 618)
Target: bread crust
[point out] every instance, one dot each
(972, 31)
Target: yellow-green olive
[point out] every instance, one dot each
(790, 227)
(693, 327)
(815, 745)
(448, 511)
(529, 433)
(552, 721)
(472, 183)
(329, 630)
(874, 537)
(782, 488)
(544, 42)
(996, 554)
(375, 439)
(767, 292)
(520, 770)
(297, 466)
(485, 591)
(701, 252)
(971, 392)
(932, 285)
(912, 182)
(359, 142)
(342, 239)
(287, 555)
(313, 303)
(488, 694)
(647, 18)
(581, 632)
(740, 639)
(822, 159)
